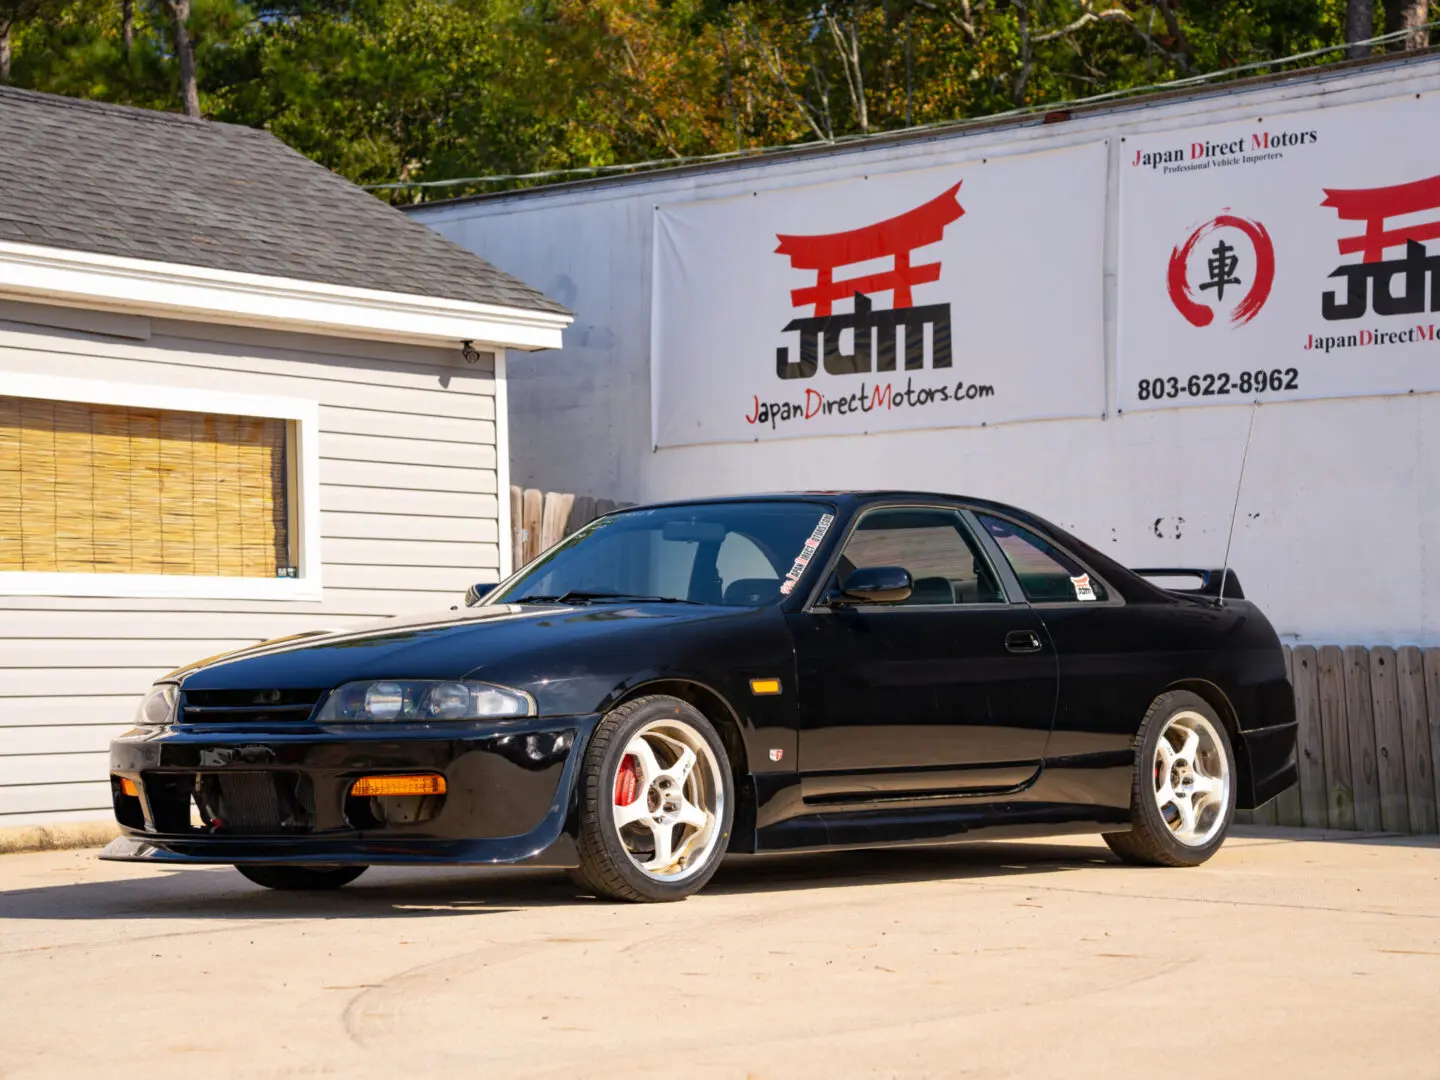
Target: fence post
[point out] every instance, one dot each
(531, 514)
(582, 512)
(1431, 664)
(1360, 729)
(1389, 742)
(554, 518)
(1310, 741)
(1415, 734)
(1339, 780)
(517, 527)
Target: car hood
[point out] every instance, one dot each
(514, 644)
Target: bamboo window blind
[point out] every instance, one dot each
(109, 490)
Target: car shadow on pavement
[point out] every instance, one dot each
(221, 893)
(411, 892)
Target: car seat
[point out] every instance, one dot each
(931, 590)
(751, 592)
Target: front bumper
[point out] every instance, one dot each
(509, 794)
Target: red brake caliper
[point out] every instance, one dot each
(627, 781)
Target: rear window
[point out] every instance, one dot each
(1047, 574)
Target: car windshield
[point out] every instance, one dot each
(737, 554)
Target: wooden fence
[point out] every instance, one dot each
(1369, 737)
(539, 519)
(1369, 740)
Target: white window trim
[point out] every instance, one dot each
(306, 416)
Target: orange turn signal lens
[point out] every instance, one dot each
(371, 787)
(129, 787)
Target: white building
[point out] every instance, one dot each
(239, 398)
(1055, 283)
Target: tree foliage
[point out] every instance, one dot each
(416, 90)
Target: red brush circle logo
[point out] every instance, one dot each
(1223, 266)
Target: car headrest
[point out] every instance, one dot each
(747, 591)
(932, 590)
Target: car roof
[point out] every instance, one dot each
(846, 497)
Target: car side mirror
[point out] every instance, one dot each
(876, 585)
(478, 592)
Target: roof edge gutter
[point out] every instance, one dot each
(142, 286)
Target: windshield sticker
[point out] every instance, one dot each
(802, 560)
(1083, 590)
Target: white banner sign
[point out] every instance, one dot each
(961, 294)
(1281, 258)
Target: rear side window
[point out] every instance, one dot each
(1046, 573)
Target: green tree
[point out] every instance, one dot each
(423, 90)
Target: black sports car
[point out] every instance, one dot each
(772, 673)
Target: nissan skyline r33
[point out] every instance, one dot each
(772, 673)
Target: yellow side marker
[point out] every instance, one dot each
(413, 784)
(127, 787)
(764, 686)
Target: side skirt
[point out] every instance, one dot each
(1087, 794)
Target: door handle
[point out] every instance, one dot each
(1022, 641)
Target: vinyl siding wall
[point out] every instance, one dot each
(408, 521)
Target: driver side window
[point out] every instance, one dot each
(944, 562)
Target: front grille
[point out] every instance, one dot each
(248, 706)
(258, 802)
(231, 803)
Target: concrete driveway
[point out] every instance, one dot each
(1282, 955)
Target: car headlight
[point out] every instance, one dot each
(417, 701)
(158, 706)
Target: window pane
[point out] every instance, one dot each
(1046, 573)
(740, 559)
(933, 545)
(102, 489)
(737, 554)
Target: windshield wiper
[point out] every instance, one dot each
(581, 596)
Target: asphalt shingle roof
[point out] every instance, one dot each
(87, 176)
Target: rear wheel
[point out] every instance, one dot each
(1183, 797)
(656, 802)
(303, 878)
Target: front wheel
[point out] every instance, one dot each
(656, 802)
(301, 878)
(1183, 798)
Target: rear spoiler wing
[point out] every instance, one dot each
(1207, 582)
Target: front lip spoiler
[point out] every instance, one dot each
(548, 845)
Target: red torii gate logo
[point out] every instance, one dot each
(895, 238)
(1370, 282)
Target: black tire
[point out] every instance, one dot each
(301, 878)
(1151, 841)
(606, 868)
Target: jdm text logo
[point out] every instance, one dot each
(1370, 284)
(1240, 262)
